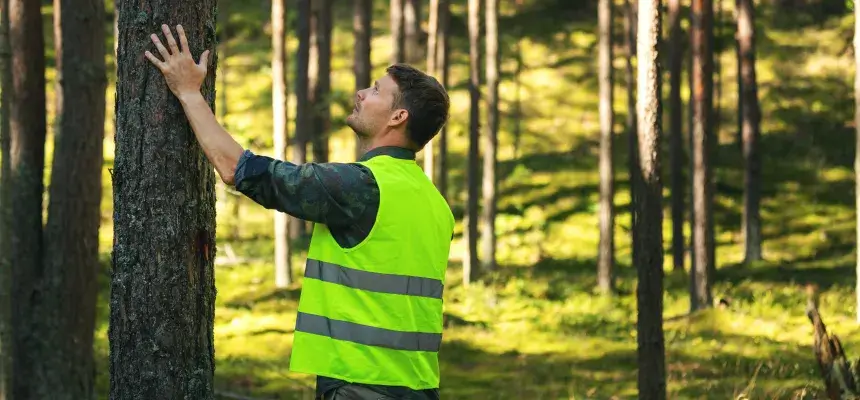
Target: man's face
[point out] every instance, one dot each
(373, 108)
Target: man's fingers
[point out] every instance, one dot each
(204, 59)
(158, 63)
(183, 41)
(160, 47)
(170, 40)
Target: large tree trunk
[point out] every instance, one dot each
(321, 26)
(470, 262)
(751, 133)
(432, 64)
(304, 121)
(283, 275)
(632, 129)
(648, 231)
(491, 141)
(676, 136)
(412, 31)
(442, 43)
(397, 39)
(5, 209)
(606, 247)
(27, 162)
(65, 303)
(703, 231)
(163, 289)
(362, 32)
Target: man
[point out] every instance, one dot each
(370, 315)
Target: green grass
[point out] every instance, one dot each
(536, 329)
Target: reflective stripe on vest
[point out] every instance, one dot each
(373, 281)
(368, 335)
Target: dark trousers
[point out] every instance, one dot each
(354, 392)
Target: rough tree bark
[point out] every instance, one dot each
(703, 231)
(676, 139)
(432, 64)
(648, 231)
(362, 32)
(64, 305)
(606, 246)
(283, 273)
(5, 209)
(751, 133)
(470, 262)
(397, 38)
(442, 42)
(27, 161)
(491, 138)
(163, 288)
(320, 76)
(304, 122)
(412, 31)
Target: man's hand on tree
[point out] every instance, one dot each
(184, 77)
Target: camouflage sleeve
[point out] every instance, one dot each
(335, 194)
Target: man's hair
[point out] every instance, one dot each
(424, 98)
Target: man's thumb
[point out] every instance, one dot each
(204, 59)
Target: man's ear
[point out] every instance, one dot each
(399, 116)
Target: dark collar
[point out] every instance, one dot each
(392, 151)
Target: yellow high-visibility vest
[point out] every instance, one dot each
(373, 313)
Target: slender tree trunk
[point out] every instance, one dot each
(648, 232)
(65, 306)
(470, 263)
(703, 238)
(432, 64)
(676, 136)
(283, 273)
(27, 161)
(412, 31)
(304, 122)
(6, 225)
(322, 84)
(606, 251)
(517, 112)
(442, 42)
(857, 143)
(163, 288)
(491, 138)
(397, 35)
(751, 133)
(739, 73)
(632, 129)
(362, 29)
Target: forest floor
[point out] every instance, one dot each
(536, 329)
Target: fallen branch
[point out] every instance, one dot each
(839, 380)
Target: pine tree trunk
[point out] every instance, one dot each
(632, 129)
(321, 25)
(648, 231)
(362, 31)
(6, 337)
(432, 64)
(606, 250)
(283, 275)
(412, 31)
(739, 73)
(676, 136)
(27, 124)
(442, 42)
(163, 288)
(703, 237)
(751, 133)
(397, 35)
(65, 307)
(470, 262)
(490, 139)
(304, 122)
